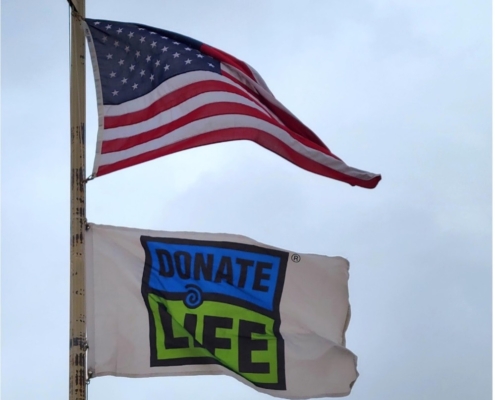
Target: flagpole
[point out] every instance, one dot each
(77, 353)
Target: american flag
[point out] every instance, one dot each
(160, 92)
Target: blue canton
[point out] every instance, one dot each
(134, 59)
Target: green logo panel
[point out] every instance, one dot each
(239, 339)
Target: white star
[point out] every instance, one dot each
(127, 49)
(157, 63)
(142, 39)
(132, 67)
(176, 43)
(188, 61)
(176, 55)
(211, 65)
(142, 72)
(121, 62)
(112, 74)
(148, 59)
(116, 43)
(153, 33)
(152, 77)
(188, 49)
(124, 80)
(108, 27)
(97, 23)
(109, 56)
(131, 34)
(166, 67)
(200, 55)
(153, 44)
(134, 87)
(138, 53)
(140, 29)
(115, 92)
(164, 37)
(104, 38)
(119, 30)
(164, 49)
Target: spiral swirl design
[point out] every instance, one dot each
(194, 296)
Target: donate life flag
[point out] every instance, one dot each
(182, 303)
(160, 92)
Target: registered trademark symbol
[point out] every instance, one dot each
(296, 257)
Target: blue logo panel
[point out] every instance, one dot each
(195, 269)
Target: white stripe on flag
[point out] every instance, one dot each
(232, 121)
(177, 112)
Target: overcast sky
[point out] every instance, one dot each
(397, 87)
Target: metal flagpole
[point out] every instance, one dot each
(77, 353)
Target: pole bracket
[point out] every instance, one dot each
(78, 341)
(76, 13)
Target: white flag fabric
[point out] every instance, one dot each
(184, 303)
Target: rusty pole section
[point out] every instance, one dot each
(77, 353)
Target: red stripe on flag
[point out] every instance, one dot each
(223, 135)
(226, 58)
(289, 120)
(171, 100)
(205, 111)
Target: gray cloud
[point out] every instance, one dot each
(400, 88)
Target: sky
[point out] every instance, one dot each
(397, 87)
